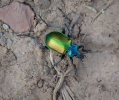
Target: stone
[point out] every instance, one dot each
(18, 16)
(40, 83)
(1, 33)
(3, 40)
(7, 35)
(9, 42)
(5, 26)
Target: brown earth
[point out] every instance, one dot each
(23, 64)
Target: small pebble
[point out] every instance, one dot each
(7, 35)
(4, 50)
(1, 33)
(9, 42)
(20, 97)
(40, 83)
(3, 40)
(5, 26)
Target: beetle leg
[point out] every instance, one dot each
(42, 47)
(86, 51)
(82, 46)
(33, 38)
(67, 25)
(63, 30)
(83, 66)
(75, 69)
(49, 25)
(62, 57)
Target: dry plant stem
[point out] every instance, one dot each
(63, 95)
(70, 92)
(110, 3)
(65, 74)
(57, 87)
(103, 9)
(62, 76)
(90, 8)
(67, 94)
(51, 59)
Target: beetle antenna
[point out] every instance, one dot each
(67, 25)
(83, 66)
(49, 25)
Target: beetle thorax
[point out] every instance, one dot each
(73, 51)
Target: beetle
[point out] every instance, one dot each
(61, 43)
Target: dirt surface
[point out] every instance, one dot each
(24, 66)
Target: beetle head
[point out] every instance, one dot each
(73, 51)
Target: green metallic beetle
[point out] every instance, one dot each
(62, 44)
(58, 42)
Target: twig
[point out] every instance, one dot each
(63, 94)
(61, 80)
(51, 59)
(110, 3)
(91, 8)
(59, 84)
(103, 10)
(67, 93)
(57, 87)
(70, 92)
